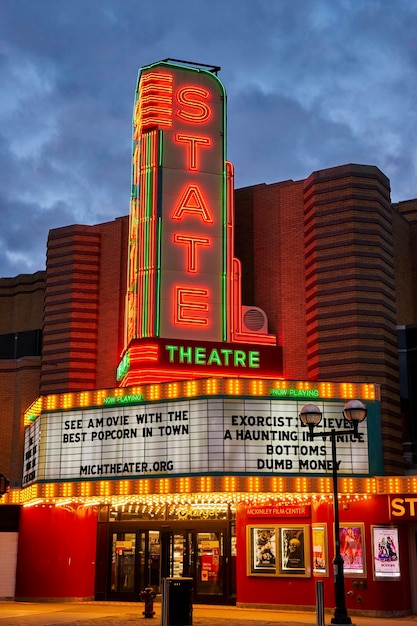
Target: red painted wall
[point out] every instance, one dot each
(388, 595)
(56, 553)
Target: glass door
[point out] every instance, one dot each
(210, 575)
(128, 568)
(153, 573)
(178, 562)
(138, 558)
(176, 554)
(200, 556)
(123, 563)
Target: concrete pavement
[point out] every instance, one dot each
(130, 614)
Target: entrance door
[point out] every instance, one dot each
(200, 556)
(139, 557)
(128, 565)
(210, 580)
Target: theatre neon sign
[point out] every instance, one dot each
(183, 280)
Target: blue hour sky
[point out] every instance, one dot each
(310, 84)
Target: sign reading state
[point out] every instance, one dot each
(196, 436)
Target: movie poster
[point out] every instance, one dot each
(352, 549)
(385, 552)
(264, 549)
(292, 550)
(319, 550)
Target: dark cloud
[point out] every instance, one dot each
(310, 85)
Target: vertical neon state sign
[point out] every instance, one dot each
(192, 235)
(177, 284)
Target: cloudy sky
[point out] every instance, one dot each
(310, 84)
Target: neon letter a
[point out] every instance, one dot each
(192, 201)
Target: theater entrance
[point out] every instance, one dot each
(138, 556)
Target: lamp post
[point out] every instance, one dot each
(354, 412)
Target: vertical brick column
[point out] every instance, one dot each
(350, 288)
(112, 297)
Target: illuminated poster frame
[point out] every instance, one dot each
(292, 549)
(263, 549)
(319, 549)
(385, 553)
(279, 550)
(352, 549)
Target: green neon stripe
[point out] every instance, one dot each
(158, 259)
(224, 272)
(224, 312)
(148, 191)
(158, 279)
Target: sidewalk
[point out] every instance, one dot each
(130, 614)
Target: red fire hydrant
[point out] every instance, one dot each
(147, 596)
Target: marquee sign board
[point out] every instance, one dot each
(199, 436)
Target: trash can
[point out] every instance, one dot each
(177, 606)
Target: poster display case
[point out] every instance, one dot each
(352, 549)
(279, 550)
(319, 543)
(385, 552)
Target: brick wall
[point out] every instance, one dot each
(269, 235)
(84, 304)
(350, 287)
(21, 302)
(405, 252)
(69, 351)
(112, 293)
(243, 240)
(405, 269)
(19, 387)
(408, 209)
(21, 309)
(321, 257)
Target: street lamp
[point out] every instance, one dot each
(354, 412)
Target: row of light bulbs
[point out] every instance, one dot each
(201, 499)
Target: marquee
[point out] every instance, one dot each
(199, 435)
